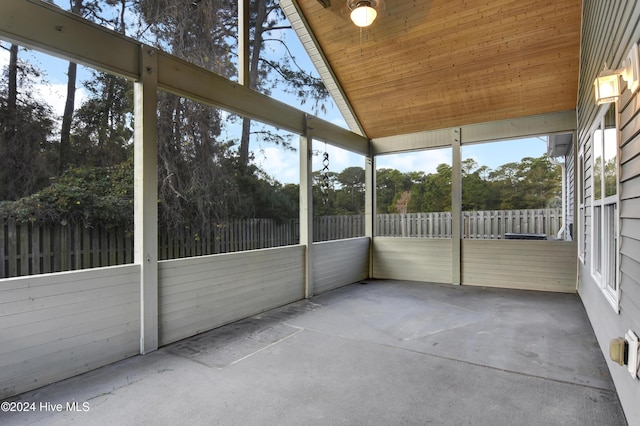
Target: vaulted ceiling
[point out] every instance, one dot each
(432, 64)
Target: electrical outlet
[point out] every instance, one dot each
(633, 359)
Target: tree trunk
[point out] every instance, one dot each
(9, 127)
(8, 148)
(256, 45)
(12, 98)
(65, 130)
(67, 116)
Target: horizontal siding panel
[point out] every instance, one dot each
(629, 309)
(490, 271)
(194, 321)
(224, 275)
(68, 363)
(631, 122)
(630, 150)
(212, 310)
(197, 321)
(71, 338)
(531, 278)
(530, 265)
(41, 322)
(631, 268)
(630, 208)
(91, 277)
(40, 286)
(198, 294)
(630, 289)
(631, 169)
(630, 189)
(630, 227)
(628, 112)
(200, 265)
(495, 256)
(58, 305)
(218, 294)
(631, 128)
(60, 325)
(340, 262)
(414, 259)
(629, 247)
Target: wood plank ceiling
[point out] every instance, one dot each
(432, 64)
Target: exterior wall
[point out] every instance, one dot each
(521, 264)
(339, 263)
(201, 293)
(609, 30)
(570, 225)
(56, 326)
(414, 259)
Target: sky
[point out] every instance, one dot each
(283, 165)
(54, 92)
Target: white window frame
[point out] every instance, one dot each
(600, 243)
(582, 248)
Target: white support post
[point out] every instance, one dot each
(146, 196)
(456, 207)
(370, 204)
(306, 206)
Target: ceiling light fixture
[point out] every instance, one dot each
(607, 84)
(363, 12)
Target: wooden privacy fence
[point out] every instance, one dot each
(420, 225)
(326, 228)
(235, 235)
(27, 249)
(493, 224)
(490, 224)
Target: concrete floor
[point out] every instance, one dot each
(381, 353)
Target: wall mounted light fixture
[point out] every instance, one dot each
(363, 12)
(607, 84)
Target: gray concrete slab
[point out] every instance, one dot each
(385, 353)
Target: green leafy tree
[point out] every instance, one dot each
(390, 183)
(265, 198)
(86, 195)
(324, 202)
(433, 192)
(350, 198)
(26, 129)
(475, 187)
(102, 131)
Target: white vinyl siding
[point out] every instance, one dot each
(55, 326)
(581, 231)
(609, 30)
(413, 259)
(201, 293)
(340, 262)
(521, 264)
